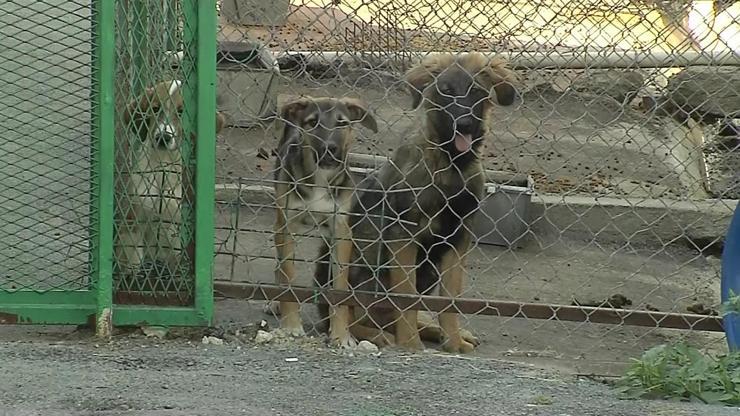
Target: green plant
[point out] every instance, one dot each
(683, 372)
(731, 305)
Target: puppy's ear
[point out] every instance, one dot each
(136, 114)
(419, 77)
(294, 110)
(291, 116)
(499, 79)
(220, 121)
(358, 112)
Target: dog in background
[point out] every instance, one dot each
(151, 209)
(421, 204)
(313, 188)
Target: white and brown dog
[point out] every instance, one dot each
(153, 186)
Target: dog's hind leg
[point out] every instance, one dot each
(290, 312)
(403, 280)
(451, 286)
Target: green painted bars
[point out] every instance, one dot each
(131, 40)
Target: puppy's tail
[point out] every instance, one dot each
(322, 278)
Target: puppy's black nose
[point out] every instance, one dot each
(332, 149)
(164, 140)
(464, 124)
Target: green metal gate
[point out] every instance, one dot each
(70, 69)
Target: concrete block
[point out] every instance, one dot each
(246, 75)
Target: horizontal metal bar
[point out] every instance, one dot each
(47, 297)
(148, 315)
(47, 314)
(471, 306)
(155, 298)
(592, 59)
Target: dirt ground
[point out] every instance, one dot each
(57, 371)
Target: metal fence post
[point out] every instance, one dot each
(205, 158)
(103, 129)
(200, 94)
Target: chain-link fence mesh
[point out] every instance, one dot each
(45, 146)
(154, 191)
(609, 181)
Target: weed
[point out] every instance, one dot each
(731, 305)
(682, 372)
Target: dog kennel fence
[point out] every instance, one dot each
(70, 70)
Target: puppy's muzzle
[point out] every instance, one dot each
(331, 156)
(165, 137)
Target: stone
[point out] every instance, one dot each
(155, 331)
(621, 85)
(367, 347)
(711, 92)
(263, 337)
(208, 340)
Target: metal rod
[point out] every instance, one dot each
(205, 156)
(188, 239)
(548, 59)
(258, 291)
(103, 155)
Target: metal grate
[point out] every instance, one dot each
(45, 146)
(154, 246)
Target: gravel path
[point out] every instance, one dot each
(144, 376)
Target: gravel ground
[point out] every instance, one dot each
(57, 373)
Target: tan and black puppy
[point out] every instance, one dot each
(153, 184)
(421, 204)
(313, 188)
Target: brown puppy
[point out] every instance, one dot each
(421, 204)
(151, 210)
(313, 187)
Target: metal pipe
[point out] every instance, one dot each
(205, 157)
(550, 59)
(259, 291)
(103, 156)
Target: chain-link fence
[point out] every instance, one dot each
(608, 182)
(605, 182)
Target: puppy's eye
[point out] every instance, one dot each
(310, 121)
(342, 122)
(446, 90)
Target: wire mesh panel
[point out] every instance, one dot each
(160, 96)
(608, 182)
(45, 146)
(151, 251)
(45, 150)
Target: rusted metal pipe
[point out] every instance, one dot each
(259, 291)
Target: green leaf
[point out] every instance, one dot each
(712, 397)
(682, 372)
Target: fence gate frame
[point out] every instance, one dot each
(95, 304)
